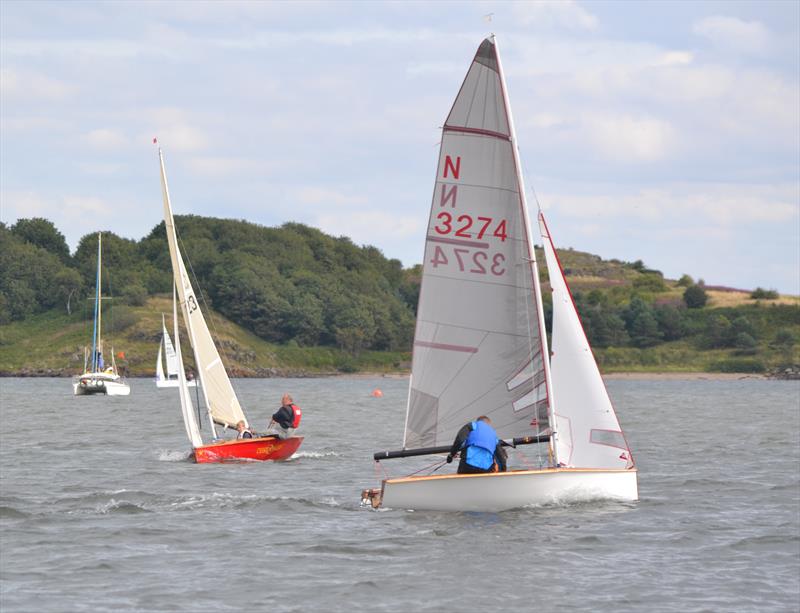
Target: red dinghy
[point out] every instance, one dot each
(221, 402)
(258, 449)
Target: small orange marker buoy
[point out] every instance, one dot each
(376, 393)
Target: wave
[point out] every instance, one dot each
(11, 513)
(315, 455)
(166, 455)
(123, 507)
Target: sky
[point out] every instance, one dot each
(662, 131)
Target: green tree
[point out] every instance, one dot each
(671, 322)
(685, 281)
(695, 297)
(42, 233)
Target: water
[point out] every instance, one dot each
(101, 511)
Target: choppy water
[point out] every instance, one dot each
(100, 510)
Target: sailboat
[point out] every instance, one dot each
(480, 346)
(221, 403)
(170, 379)
(97, 378)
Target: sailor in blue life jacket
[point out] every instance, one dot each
(481, 451)
(243, 430)
(286, 419)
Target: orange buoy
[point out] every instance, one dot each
(376, 393)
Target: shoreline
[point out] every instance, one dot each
(612, 376)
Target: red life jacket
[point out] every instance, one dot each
(297, 415)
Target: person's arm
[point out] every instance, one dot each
(459, 441)
(502, 457)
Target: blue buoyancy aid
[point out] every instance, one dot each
(480, 444)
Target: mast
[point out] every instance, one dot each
(97, 311)
(532, 255)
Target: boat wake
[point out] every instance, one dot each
(314, 455)
(166, 455)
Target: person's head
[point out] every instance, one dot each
(286, 400)
(241, 426)
(485, 419)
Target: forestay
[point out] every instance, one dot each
(589, 434)
(219, 395)
(478, 343)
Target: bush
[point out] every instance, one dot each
(695, 297)
(685, 281)
(745, 344)
(134, 295)
(120, 319)
(737, 365)
(763, 294)
(650, 282)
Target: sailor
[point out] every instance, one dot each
(243, 430)
(481, 451)
(286, 419)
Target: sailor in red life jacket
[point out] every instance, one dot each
(286, 419)
(480, 448)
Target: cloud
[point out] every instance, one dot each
(326, 196)
(218, 166)
(106, 139)
(734, 34)
(707, 205)
(627, 138)
(364, 226)
(554, 13)
(173, 127)
(32, 87)
(86, 205)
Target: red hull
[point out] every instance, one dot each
(266, 448)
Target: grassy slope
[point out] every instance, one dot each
(52, 343)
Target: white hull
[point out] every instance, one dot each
(110, 385)
(173, 383)
(510, 490)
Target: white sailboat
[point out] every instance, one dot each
(221, 402)
(97, 377)
(170, 378)
(480, 346)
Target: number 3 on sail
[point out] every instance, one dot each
(480, 346)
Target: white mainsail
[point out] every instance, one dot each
(223, 406)
(169, 351)
(589, 434)
(479, 340)
(159, 366)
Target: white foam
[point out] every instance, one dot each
(165, 455)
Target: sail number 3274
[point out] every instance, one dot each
(462, 226)
(469, 260)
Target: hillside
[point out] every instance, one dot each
(295, 300)
(52, 344)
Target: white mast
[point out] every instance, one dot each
(535, 269)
